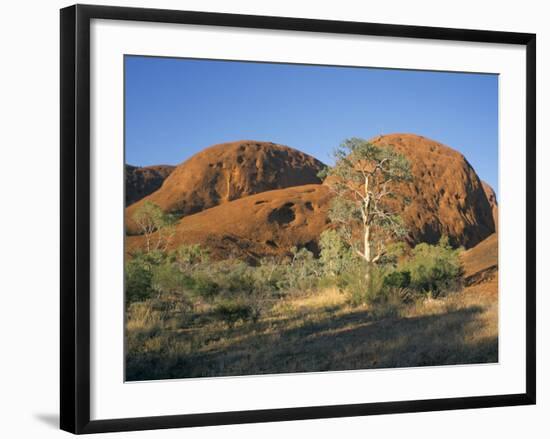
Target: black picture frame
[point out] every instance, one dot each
(75, 217)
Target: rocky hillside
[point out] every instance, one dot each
(252, 199)
(481, 267)
(229, 171)
(259, 225)
(481, 261)
(141, 182)
(492, 198)
(447, 196)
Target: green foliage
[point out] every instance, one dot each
(394, 252)
(151, 217)
(157, 273)
(435, 268)
(188, 276)
(189, 256)
(152, 220)
(138, 279)
(204, 286)
(336, 255)
(270, 275)
(139, 274)
(359, 290)
(304, 270)
(234, 276)
(398, 279)
(431, 269)
(355, 157)
(364, 177)
(167, 278)
(241, 292)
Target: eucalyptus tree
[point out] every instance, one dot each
(157, 227)
(364, 178)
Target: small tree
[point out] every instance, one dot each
(152, 220)
(362, 180)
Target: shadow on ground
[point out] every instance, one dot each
(355, 340)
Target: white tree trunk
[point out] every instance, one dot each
(366, 236)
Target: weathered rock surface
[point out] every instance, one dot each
(230, 201)
(265, 224)
(142, 181)
(446, 195)
(229, 171)
(481, 263)
(492, 198)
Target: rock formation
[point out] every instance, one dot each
(492, 198)
(141, 182)
(265, 224)
(252, 199)
(446, 195)
(229, 171)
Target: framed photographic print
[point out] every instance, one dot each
(268, 218)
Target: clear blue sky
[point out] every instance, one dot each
(177, 107)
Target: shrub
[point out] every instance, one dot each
(234, 276)
(138, 280)
(360, 292)
(184, 276)
(231, 311)
(398, 279)
(191, 256)
(167, 278)
(205, 287)
(394, 252)
(435, 269)
(303, 271)
(269, 276)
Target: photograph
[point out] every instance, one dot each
(288, 218)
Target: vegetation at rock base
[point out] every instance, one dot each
(188, 315)
(229, 318)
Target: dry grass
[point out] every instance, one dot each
(314, 332)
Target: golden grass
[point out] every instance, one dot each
(315, 331)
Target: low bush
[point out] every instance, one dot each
(389, 303)
(167, 279)
(434, 269)
(430, 269)
(239, 291)
(303, 271)
(204, 286)
(138, 280)
(361, 291)
(190, 256)
(398, 279)
(231, 311)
